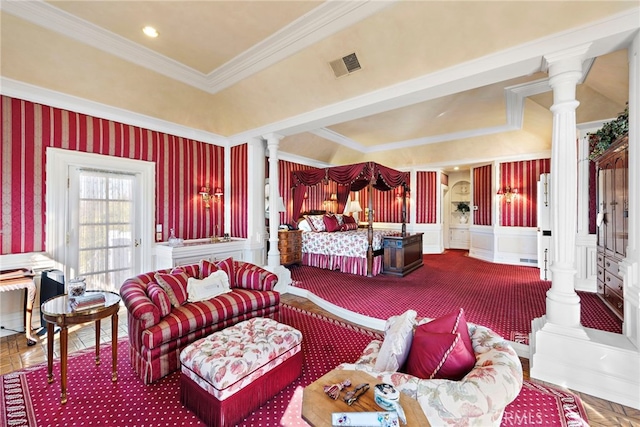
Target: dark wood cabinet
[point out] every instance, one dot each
(613, 213)
(402, 254)
(290, 246)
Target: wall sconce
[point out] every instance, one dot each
(207, 197)
(508, 193)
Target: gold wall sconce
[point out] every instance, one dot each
(205, 192)
(508, 193)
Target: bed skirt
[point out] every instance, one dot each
(345, 264)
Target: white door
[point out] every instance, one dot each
(103, 232)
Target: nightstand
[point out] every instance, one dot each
(290, 246)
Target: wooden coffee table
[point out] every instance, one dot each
(317, 407)
(57, 311)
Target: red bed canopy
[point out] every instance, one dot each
(349, 178)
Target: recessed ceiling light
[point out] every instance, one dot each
(150, 31)
(456, 168)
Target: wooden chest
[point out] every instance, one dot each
(290, 246)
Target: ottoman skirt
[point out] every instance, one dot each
(235, 408)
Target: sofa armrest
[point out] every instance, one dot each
(139, 306)
(251, 276)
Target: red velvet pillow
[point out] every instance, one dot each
(452, 323)
(438, 356)
(175, 285)
(331, 223)
(346, 219)
(206, 268)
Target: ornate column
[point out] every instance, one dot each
(565, 70)
(273, 257)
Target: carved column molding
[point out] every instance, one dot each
(273, 257)
(565, 70)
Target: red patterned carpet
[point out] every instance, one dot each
(27, 400)
(504, 298)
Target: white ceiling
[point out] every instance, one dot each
(466, 74)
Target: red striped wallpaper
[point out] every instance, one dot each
(426, 199)
(524, 175)
(182, 167)
(482, 195)
(239, 196)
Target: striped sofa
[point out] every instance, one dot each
(156, 341)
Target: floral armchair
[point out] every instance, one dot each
(477, 399)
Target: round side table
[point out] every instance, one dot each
(58, 311)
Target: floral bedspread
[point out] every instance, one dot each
(343, 243)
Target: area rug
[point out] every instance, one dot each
(27, 400)
(504, 298)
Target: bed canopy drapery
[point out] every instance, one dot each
(352, 178)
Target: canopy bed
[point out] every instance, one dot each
(353, 250)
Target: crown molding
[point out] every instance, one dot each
(613, 33)
(339, 139)
(27, 92)
(323, 21)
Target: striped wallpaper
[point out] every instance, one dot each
(426, 199)
(523, 175)
(482, 189)
(182, 167)
(239, 191)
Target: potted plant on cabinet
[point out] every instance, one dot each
(463, 208)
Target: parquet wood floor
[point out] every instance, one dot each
(15, 355)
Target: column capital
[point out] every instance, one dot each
(272, 137)
(565, 60)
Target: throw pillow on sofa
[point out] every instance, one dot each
(175, 285)
(160, 298)
(397, 342)
(436, 355)
(203, 289)
(208, 267)
(441, 349)
(453, 323)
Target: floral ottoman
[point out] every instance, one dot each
(232, 372)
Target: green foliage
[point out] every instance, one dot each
(608, 133)
(463, 207)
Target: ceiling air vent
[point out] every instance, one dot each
(345, 65)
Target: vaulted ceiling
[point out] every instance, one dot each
(441, 83)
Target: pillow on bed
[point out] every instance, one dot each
(303, 225)
(331, 223)
(348, 227)
(346, 219)
(316, 222)
(340, 219)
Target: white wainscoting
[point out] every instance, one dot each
(481, 244)
(586, 263)
(516, 246)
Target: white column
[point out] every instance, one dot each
(563, 303)
(273, 257)
(255, 200)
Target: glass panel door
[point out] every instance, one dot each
(102, 233)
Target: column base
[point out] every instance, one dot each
(598, 363)
(284, 277)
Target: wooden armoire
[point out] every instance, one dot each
(613, 212)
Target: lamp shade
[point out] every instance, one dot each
(218, 192)
(355, 206)
(204, 190)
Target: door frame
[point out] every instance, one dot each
(58, 162)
